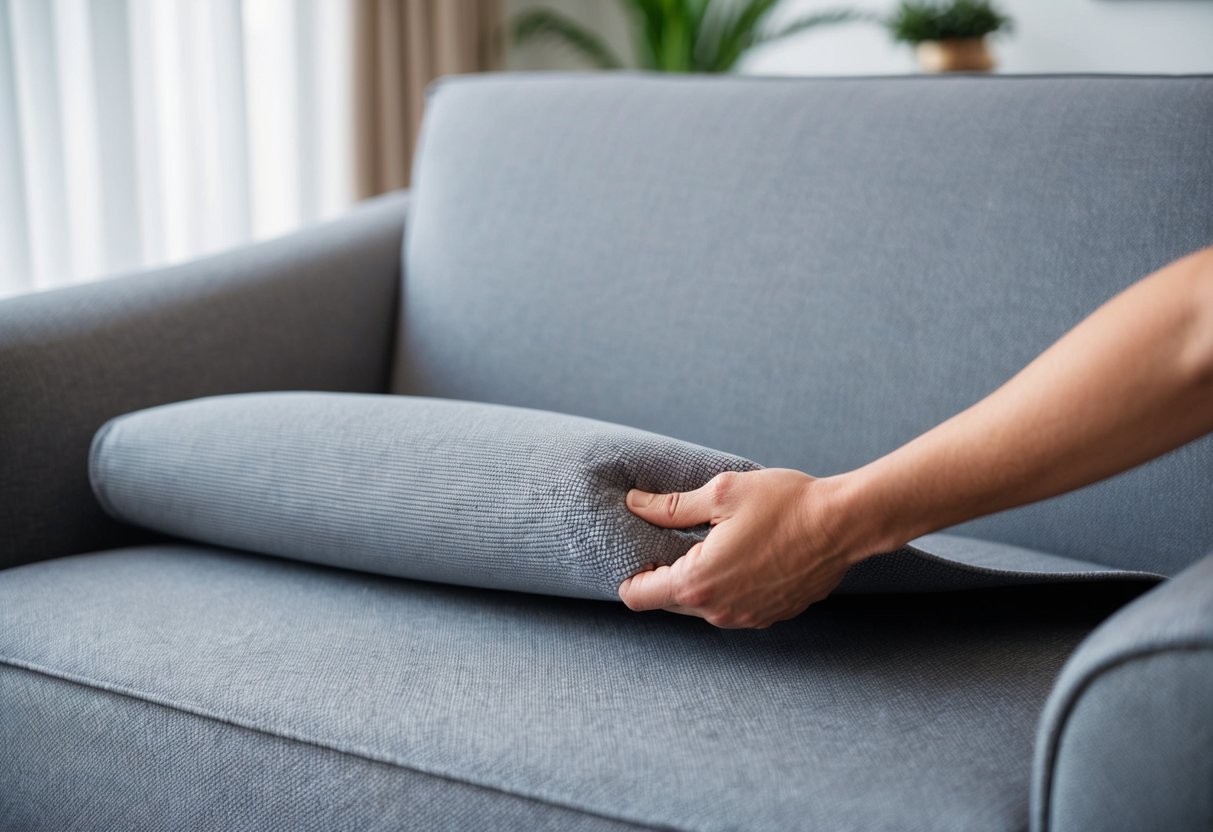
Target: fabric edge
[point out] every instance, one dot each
(1105, 573)
(95, 480)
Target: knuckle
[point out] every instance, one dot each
(695, 554)
(732, 621)
(634, 591)
(722, 485)
(670, 504)
(694, 595)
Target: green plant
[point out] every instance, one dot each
(677, 35)
(916, 21)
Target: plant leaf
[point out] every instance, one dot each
(916, 21)
(648, 18)
(739, 32)
(547, 24)
(675, 37)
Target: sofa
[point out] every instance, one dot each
(803, 272)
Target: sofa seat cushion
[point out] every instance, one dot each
(176, 686)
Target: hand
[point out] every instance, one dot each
(772, 550)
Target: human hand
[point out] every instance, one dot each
(778, 543)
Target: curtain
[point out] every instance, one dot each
(399, 47)
(141, 132)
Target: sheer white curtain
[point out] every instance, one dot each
(141, 132)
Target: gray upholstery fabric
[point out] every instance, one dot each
(78, 758)
(480, 495)
(1126, 741)
(865, 713)
(805, 272)
(312, 310)
(458, 492)
(948, 562)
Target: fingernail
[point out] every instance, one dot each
(639, 498)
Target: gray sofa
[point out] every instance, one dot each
(803, 272)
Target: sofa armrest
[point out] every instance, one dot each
(1126, 739)
(312, 310)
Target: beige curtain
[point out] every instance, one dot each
(399, 47)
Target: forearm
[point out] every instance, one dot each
(1129, 383)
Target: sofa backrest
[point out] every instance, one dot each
(806, 272)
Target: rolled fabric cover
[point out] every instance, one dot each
(450, 491)
(456, 492)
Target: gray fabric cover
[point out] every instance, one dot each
(153, 684)
(943, 562)
(311, 310)
(458, 492)
(805, 272)
(480, 495)
(1126, 741)
(130, 764)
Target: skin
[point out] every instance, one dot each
(1131, 382)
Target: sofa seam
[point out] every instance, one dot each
(301, 739)
(1070, 704)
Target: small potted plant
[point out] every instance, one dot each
(949, 36)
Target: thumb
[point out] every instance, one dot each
(678, 510)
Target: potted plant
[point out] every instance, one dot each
(677, 35)
(949, 36)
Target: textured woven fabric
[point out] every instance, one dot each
(480, 495)
(805, 272)
(1126, 741)
(312, 310)
(78, 758)
(464, 493)
(943, 562)
(866, 713)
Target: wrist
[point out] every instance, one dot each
(860, 517)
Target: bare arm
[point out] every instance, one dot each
(1132, 381)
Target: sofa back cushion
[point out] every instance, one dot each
(805, 272)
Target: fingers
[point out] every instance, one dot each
(659, 588)
(681, 510)
(649, 590)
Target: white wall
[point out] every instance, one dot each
(1148, 36)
